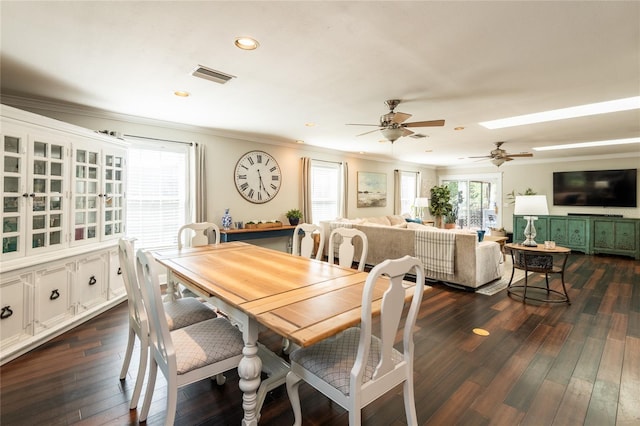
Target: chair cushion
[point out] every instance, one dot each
(186, 311)
(205, 343)
(332, 359)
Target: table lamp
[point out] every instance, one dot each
(530, 206)
(420, 204)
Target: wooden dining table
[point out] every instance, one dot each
(303, 300)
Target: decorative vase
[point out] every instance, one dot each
(226, 219)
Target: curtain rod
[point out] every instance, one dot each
(158, 139)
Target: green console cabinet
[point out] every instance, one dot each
(615, 236)
(587, 234)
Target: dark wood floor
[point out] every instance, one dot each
(541, 365)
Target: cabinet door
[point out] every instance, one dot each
(558, 231)
(113, 194)
(577, 233)
(116, 283)
(53, 303)
(86, 184)
(603, 234)
(90, 283)
(14, 190)
(16, 315)
(625, 236)
(46, 183)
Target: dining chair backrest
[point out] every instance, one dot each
(344, 237)
(160, 342)
(303, 241)
(356, 367)
(137, 314)
(199, 234)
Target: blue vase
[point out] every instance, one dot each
(226, 219)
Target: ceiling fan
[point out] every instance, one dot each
(392, 125)
(498, 155)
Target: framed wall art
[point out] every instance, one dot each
(372, 189)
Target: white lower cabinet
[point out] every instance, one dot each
(116, 282)
(91, 277)
(41, 301)
(16, 317)
(53, 298)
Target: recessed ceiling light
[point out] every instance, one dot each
(299, 141)
(246, 43)
(564, 113)
(310, 124)
(459, 128)
(589, 144)
(182, 93)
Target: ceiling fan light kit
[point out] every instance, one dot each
(498, 155)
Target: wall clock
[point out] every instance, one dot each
(258, 177)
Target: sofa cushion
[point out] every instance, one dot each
(408, 219)
(396, 219)
(378, 220)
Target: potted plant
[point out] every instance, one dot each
(451, 218)
(294, 216)
(440, 203)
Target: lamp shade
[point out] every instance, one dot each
(531, 205)
(421, 202)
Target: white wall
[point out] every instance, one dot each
(519, 175)
(222, 153)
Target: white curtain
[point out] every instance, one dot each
(305, 189)
(397, 192)
(344, 209)
(201, 183)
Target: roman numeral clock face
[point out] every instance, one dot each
(258, 177)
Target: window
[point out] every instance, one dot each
(158, 189)
(326, 190)
(408, 191)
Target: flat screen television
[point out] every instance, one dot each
(597, 188)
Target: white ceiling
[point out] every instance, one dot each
(333, 63)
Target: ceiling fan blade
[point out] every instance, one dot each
(355, 124)
(432, 123)
(406, 132)
(507, 158)
(524, 154)
(481, 156)
(400, 117)
(366, 133)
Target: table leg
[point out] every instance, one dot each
(249, 372)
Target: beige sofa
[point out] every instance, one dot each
(452, 256)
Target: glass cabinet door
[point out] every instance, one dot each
(113, 195)
(86, 195)
(14, 195)
(46, 186)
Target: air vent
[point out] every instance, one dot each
(211, 74)
(418, 136)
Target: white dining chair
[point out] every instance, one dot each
(191, 235)
(356, 367)
(178, 314)
(303, 242)
(199, 234)
(187, 355)
(344, 237)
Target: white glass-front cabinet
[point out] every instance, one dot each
(33, 191)
(63, 209)
(98, 194)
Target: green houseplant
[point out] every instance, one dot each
(440, 203)
(294, 216)
(451, 217)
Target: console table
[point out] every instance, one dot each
(227, 235)
(542, 260)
